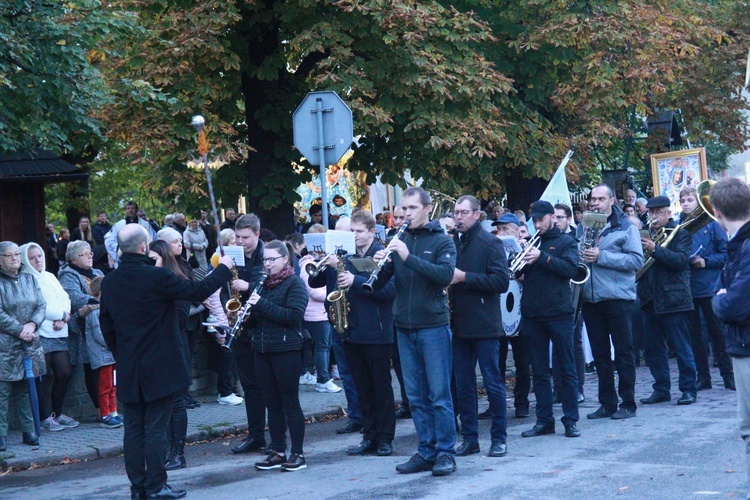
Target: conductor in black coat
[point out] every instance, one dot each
(140, 325)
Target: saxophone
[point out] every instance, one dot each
(234, 304)
(338, 311)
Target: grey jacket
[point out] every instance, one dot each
(21, 301)
(620, 256)
(99, 353)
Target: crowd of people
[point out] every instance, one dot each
(431, 311)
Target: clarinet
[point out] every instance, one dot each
(242, 315)
(368, 287)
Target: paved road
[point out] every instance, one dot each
(667, 451)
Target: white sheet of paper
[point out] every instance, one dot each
(511, 244)
(380, 232)
(237, 253)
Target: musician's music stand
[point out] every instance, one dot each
(364, 264)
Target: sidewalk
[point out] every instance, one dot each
(89, 441)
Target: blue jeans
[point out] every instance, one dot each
(560, 332)
(426, 361)
(346, 377)
(466, 353)
(320, 331)
(658, 328)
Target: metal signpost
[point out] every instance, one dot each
(323, 132)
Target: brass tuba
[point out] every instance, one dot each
(338, 311)
(441, 204)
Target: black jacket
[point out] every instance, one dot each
(733, 307)
(667, 282)
(546, 286)
(421, 301)
(275, 321)
(475, 304)
(251, 273)
(139, 321)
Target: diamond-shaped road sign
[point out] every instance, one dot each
(337, 127)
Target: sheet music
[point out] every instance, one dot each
(511, 244)
(330, 242)
(380, 232)
(237, 253)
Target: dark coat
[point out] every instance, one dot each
(139, 321)
(546, 285)
(475, 304)
(667, 282)
(733, 307)
(275, 321)
(421, 301)
(710, 243)
(99, 230)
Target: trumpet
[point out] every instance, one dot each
(242, 315)
(368, 286)
(314, 269)
(518, 261)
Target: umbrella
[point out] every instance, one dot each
(33, 399)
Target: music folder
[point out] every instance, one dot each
(364, 264)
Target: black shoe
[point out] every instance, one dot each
(385, 449)
(365, 446)
(248, 445)
(3, 443)
(602, 412)
(350, 427)
(581, 397)
(590, 368)
(522, 411)
(704, 384)
(729, 383)
(168, 492)
(444, 465)
(485, 415)
(467, 448)
(498, 449)
(538, 430)
(272, 461)
(295, 462)
(402, 413)
(177, 459)
(556, 398)
(571, 431)
(137, 494)
(623, 413)
(656, 397)
(415, 464)
(30, 438)
(687, 398)
(190, 403)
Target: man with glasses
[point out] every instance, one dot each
(666, 301)
(481, 275)
(563, 216)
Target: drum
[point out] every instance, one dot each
(510, 305)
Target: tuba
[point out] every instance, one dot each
(441, 203)
(338, 311)
(593, 223)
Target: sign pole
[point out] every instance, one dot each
(322, 160)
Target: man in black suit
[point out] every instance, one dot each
(139, 323)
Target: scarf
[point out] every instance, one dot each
(278, 278)
(86, 273)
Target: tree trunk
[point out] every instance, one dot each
(522, 191)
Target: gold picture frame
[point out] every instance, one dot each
(671, 172)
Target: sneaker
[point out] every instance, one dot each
(295, 462)
(272, 461)
(110, 422)
(52, 425)
(329, 386)
(307, 379)
(231, 400)
(119, 418)
(68, 422)
(335, 372)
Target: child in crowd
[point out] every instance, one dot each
(103, 360)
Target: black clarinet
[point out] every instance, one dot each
(368, 286)
(243, 314)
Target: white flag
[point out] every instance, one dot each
(557, 189)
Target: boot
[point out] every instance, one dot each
(177, 459)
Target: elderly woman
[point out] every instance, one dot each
(21, 313)
(53, 333)
(75, 277)
(196, 242)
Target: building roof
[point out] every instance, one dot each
(37, 165)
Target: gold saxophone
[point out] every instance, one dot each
(234, 304)
(338, 311)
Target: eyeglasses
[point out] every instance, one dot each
(463, 213)
(11, 255)
(272, 259)
(86, 254)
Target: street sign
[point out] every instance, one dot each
(337, 127)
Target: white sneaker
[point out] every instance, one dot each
(231, 400)
(66, 421)
(307, 379)
(329, 386)
(52, 425)
(335, 372)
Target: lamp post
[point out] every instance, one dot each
(198, 122)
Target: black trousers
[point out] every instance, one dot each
(145, 444)
(396, 358)
(611, 318)
(278, 376)
(244, 358)
(579, 357)
(523, 368)
(370, 365)
(714, 334)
